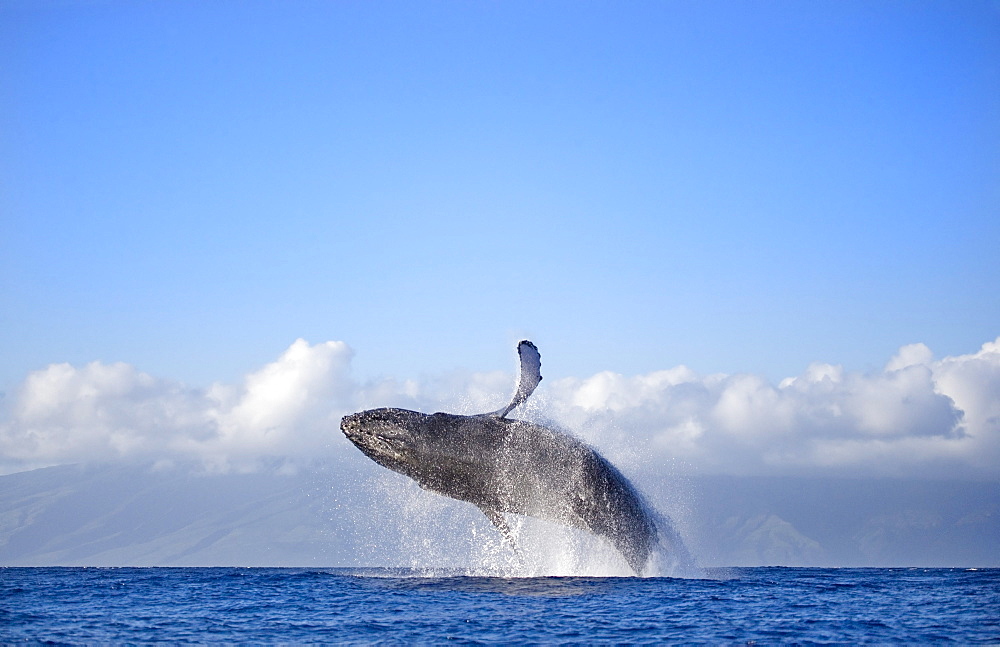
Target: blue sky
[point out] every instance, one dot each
(189, 187)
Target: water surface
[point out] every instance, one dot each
(396, 606)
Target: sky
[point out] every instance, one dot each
(249, 216)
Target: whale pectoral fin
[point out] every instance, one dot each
(531, 375)
(497, 518)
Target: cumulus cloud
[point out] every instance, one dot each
(918, 416)
(64, 414)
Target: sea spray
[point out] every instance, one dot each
(435, 535)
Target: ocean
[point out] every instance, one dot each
(403, 606)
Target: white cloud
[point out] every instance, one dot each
(918, 416)
(64, 414)
(910, 355)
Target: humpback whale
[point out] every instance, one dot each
(503, 465)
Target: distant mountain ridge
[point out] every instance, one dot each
(132, 516)
(117, 516)
(751, 521)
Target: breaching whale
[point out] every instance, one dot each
(504, 465)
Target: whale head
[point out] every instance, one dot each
(390, 437)
(439, 450)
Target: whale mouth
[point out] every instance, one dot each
(358, 432)
(375, 440)
(352, 426)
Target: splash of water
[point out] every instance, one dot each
(433, 535)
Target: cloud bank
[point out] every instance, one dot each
(918, 417)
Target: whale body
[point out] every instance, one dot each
(505, 465)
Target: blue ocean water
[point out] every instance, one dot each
(395, 606)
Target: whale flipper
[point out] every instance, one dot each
(531, 375)
(497, 518)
